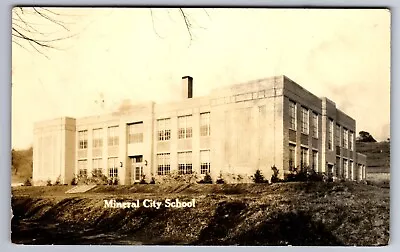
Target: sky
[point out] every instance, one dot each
(117, 55)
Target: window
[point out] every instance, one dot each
(346, 168)
(97, 167)
(338, 172)
(164, 129)
(185, 127)
(304, 120)
(337, 135)
(292, 156)
(135, 133)
(205, 124)
(83, 139)
(113, 167)
(82, 166)
(345, 138)
(113, 136)
(315, 160)
(315, 125)
(304, 157)
(351, 143)
(292, 114)
(330, 134)
(97, 138)
(205, 166)
(351, 170)
(163, 163)
(185, 162)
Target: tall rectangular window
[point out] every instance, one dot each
(135, 132)
(330, 134)
(338, 167)
(292, 156)
(346, 168)
(163, 163)
(304, 157)
(205, 124)
(82, 167)
(113, 136)
(97, 138)
(113, 167)
(337, 135)
(83, 139)
(292, 115)
(304, 120)
(345, 138)
(315, 125)
(185, 162)
(97, 166)
(351, 140)
(185, 127)
(164, 129)
(205, 166)
(315, 160)
(351, 170)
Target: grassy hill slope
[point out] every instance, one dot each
(249, 214)
(378, 156)
(21, 165)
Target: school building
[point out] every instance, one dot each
(232, 132)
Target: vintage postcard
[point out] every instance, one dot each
(200, 126)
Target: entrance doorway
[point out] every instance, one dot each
(136, 168)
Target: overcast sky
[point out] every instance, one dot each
(119, 54)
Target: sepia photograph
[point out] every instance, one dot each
(200, 126)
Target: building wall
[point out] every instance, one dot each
(303, 99)
(247, 132)
(250, 130)
(51, 154)
(187, 107)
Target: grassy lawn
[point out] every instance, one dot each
(238, 214)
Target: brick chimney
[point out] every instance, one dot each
(187, 87)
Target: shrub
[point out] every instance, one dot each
(258, 177)
(28, 182)
(305, 174)
(58, 181)
(206, 180)
(152, 181)
(175, 177)
(143, 181)
(74, 180)
(98, 178)
(49, 182)
(112, 181)
(220, 181)
(275, 174)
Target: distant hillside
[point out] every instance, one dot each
(378, 156)
(21, 165)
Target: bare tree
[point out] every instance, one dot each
(28, 34)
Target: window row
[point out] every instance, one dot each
(304, 158)
(185, 127)
(134, 133)
(97, 164)
(345, 140)
(113, 138)
(344, 169)
(185, 163)
(304, 119)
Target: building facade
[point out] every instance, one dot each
(230, 133)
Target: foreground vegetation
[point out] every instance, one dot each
(292, 213)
